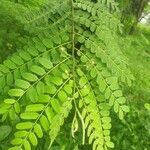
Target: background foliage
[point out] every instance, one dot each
(132, 133)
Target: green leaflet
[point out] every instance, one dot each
(17, 74)
(17, 60)
(4, 132)
(110, 144)
(38, 130)
(101, 82)
(29, 116)
(27, 145)
(82, 82)
(93, 73)
(55, 105)
(111, 100)
(106, 119)
(121, 100)
(16, 92)
(33, 139)
(62, 96)
(17, 107)
(118, 93)
(81, 39)
(34, 108)
(9, 64)
(24, 125)
(44, 123)
(12, 114)
(107, 126)
(147, 106)
(10, 78)
(15, 148)
(16, 141)
(57, 39)
(38, 70)
(55, 56)
(44, 98)
(79, 72)
(48, 43)
(39, 45)
(20, 134)
(50, 114)
(50, 88)
(24, 55)
(3, 111)
(30, 77)
(32, 95)
(106, 132)
(22, 84)
(105, 113)
(107, 93)
(116, 107)
(68, 89)
(4, 69)
(85, 90)
(40, 88)
(56, 80)
(125, 108)
(46, 63)
(32, 51)
(9, 101)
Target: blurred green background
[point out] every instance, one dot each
(134, 133)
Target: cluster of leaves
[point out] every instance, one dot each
(69, 70)
(11, 31)
(132, 13)
(12, 34)
(136, 127)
